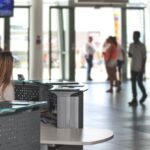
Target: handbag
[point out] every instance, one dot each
(111, 63)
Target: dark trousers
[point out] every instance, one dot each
(137, 77)
(89, 61)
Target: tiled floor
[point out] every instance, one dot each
(131, 125)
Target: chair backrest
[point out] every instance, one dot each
(27, 92)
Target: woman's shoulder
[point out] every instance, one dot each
(9, 92)
(10, 86)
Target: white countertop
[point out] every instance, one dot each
(74, 136)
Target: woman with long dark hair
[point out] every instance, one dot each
(6, 85)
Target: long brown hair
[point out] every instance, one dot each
(6, 67)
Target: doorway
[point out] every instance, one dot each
(62, 43)
(137, 25)
(19, 41)
(100, 23)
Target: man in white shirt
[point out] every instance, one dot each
(137, 52)
(89, 54)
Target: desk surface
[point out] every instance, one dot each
(67, 136)
(7, 107)
(68, 88)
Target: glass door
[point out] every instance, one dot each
(61, 43)
(66, 54)
(100, 23)
(2, 33)
(132, 25)
(19, 41)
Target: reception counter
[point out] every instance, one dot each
(20, 125)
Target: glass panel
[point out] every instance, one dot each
(138, 25)
(55, 51)
(100, 23)
(138, 1)
(25, 1)
(2, 33)
(59, 40)
(45, 42)
(19, 41)
(56, 2)
(22, 1)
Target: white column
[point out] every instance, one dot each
(35, 51)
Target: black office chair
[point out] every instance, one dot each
(27, 91)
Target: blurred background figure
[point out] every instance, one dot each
(110, 56)
(120, 61)
(106, 46)
(137, 53)
(89, 54)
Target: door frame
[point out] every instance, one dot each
(72, 32)
(67, 71)
(124, 34)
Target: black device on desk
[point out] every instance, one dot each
(21, 77)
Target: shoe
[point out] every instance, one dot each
(142, 100)
(89, 79)
(109, 91)
(118, 89)
(133, 102)
(119, 82)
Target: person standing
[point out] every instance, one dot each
(137, 52)
(89, 54)
(120, 61)
(111, 62)
(6, 67)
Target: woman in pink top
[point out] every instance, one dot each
(6, 67)
(111, 63)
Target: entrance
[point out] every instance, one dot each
(14, 35)
(62, 43)
(100, 23)
(137, 25)
(69, 29)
